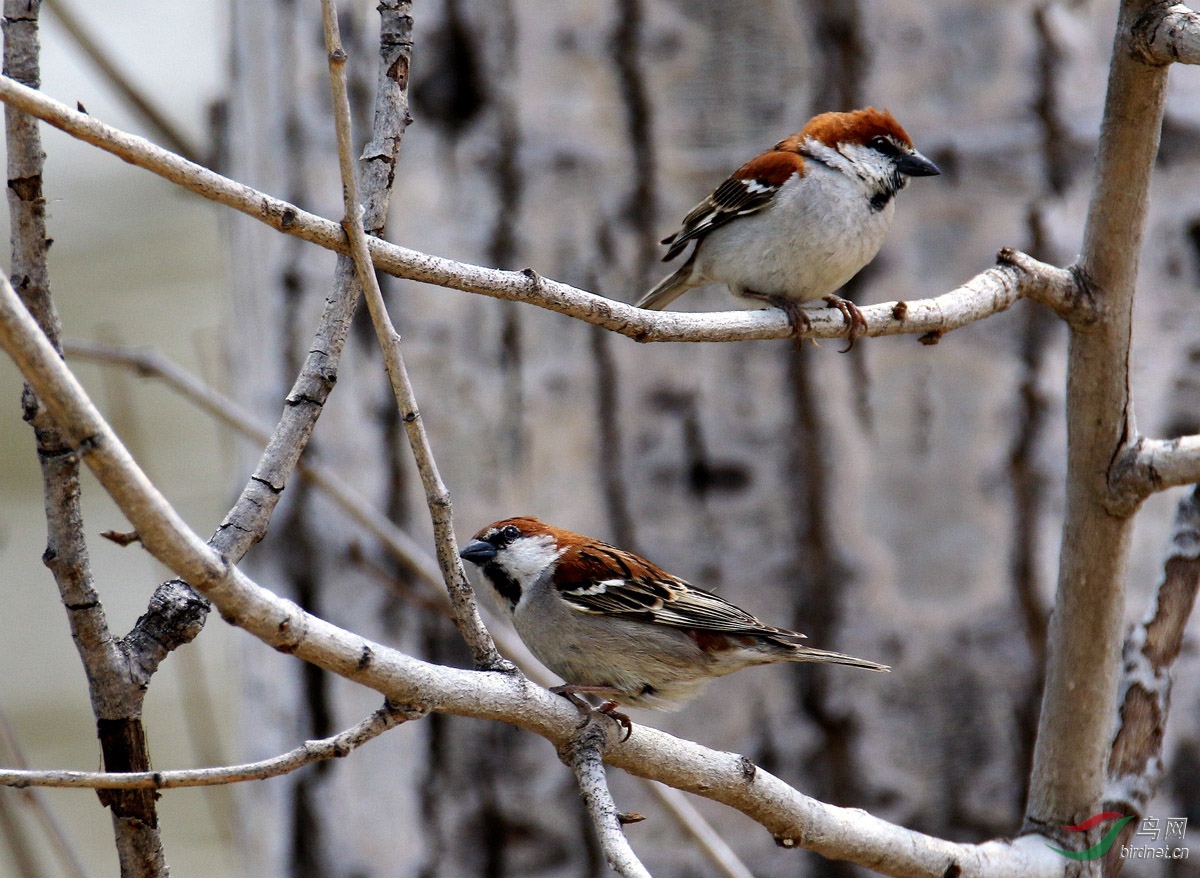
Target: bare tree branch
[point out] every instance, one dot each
(1168, 34)
(462, 599)
(988, 293)
(176, 614)
(793, 819)
(334, 747)
(583, 755)
(715, 848)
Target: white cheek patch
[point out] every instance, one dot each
(869, 164)
(526, 557)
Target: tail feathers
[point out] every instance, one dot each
(811, 654)
(668, 289)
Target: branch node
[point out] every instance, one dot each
(539, 285)
(749, 769)
(501, 665)
(1165, 35)
(1066, 291)
(121, 538)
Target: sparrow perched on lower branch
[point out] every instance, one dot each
(797, 222)
(616, 626)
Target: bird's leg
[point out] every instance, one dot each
(571, 692)
(854, 318)
(797, 316)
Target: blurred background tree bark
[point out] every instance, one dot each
(900, 502)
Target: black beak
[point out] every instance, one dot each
(478, 552)
(916, 165)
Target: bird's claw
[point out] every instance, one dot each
(608, 708)
(854, 317)
(798, 319)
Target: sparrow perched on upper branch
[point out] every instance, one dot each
(614, 625)
(800, 220)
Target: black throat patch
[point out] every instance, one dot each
(508, 587)
(890, 187)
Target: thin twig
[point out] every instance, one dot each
(176, 614)
(148, 363)
(335, 747)
(583, 754)
(990, 292)
(20, 849)
(462, 598)
(701, 831)
(10, 750)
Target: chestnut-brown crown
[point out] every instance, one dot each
(857, 126)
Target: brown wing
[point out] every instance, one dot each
(747, 191)
(599, 578)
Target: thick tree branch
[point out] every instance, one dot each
(994, 290)
(334, 747)
(583, 755)
(1167, 34)
(793, 819)
(462, 599)
(1079, 701)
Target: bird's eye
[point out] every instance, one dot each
(510, 532)
(884, 145)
